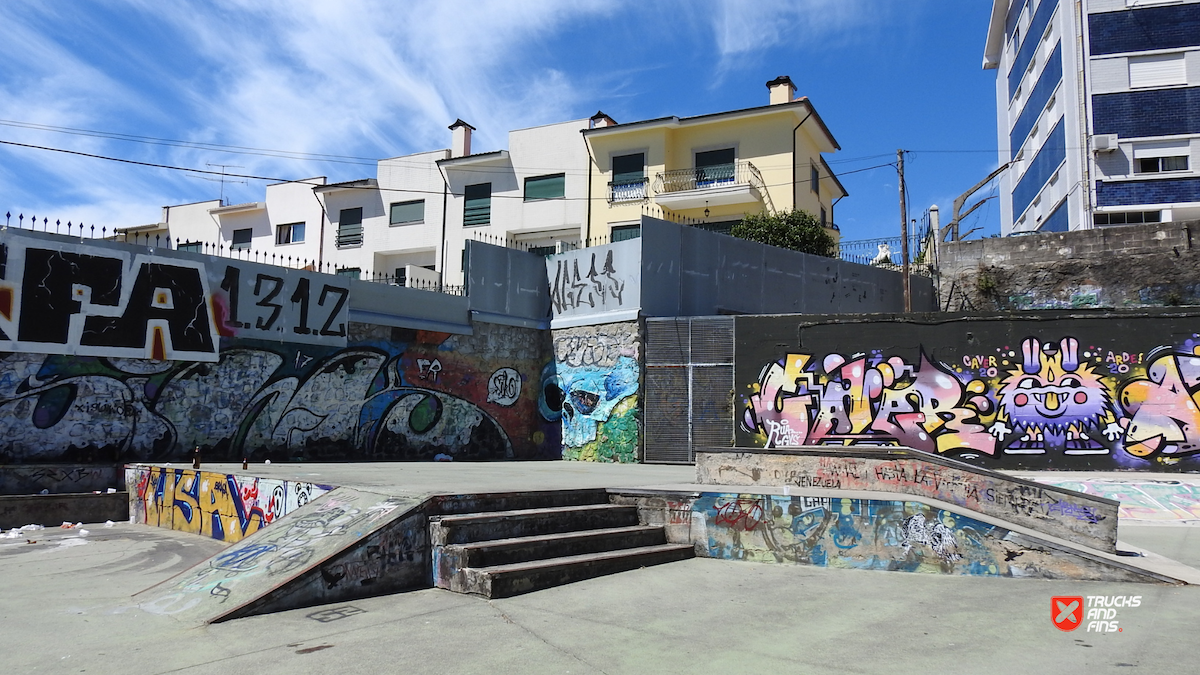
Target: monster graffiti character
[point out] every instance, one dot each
(1053, 402)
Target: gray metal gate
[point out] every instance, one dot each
(689, 387)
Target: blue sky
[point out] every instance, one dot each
(368, 80)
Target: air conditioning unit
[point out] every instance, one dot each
(1104, 143)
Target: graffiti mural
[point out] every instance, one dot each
(264, 400)
(1156, 501)
(222, 506)
(595, 392)
(110, 300)
(1045, 402)
(596, 280)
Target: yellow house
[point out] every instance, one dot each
(711, 169)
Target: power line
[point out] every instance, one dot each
(308, 181)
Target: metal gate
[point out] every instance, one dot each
(689, 387)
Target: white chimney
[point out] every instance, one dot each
(460, 142)
(782, 90)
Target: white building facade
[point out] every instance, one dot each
(1098, 111)
(409, 224)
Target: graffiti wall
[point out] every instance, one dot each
(594, 391)
(1105, 393)
(871, 534)
(390, 394)
(1160, 501)
(103, 299)
(222, 506)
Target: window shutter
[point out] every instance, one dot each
(545, 187)
(1159, 70)
(408, 212)
(478, 208)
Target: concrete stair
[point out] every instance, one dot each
(558, 538)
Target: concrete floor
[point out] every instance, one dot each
(66, 608)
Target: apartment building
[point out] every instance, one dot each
(712, 169)
(1098, 111)
(533, 195)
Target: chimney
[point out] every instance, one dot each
(460, 143)
(600, 120)
(782, 90)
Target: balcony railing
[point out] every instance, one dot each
(701, 177)
(627, 190)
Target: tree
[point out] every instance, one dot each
(794, 229)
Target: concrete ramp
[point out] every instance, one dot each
(1088, 520)
(346, 544)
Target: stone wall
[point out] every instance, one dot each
(1151, 265)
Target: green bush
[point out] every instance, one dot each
(794, 229)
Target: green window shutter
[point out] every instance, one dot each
(714, 166)
(626, 232)
(408, 212)
(546, 187)
(629, 168)
(350, 230)
(478, 209)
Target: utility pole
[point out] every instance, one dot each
(903, 232)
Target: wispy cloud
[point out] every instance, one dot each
(743, 28)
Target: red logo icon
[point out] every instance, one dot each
(1066, 611)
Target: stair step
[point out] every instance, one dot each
(508, 501)
(502, 581)
(521, 549)
(475, 527)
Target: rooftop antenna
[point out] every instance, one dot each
(223, 178)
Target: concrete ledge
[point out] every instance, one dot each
(51, 510)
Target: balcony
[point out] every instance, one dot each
(735, 183)
(627, 190)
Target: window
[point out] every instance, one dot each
(402, 276)
(629, 178)
(403, 213)
(350, 272)
(714, 166)
(1161, 164)
(241, 239)
(814, 177)
(823, 218)
(1132, 218)
(1157, 70)
(191, 247)
(289, 234)
(626, 232)
(350, 229)
(545, 187)
(478, 210)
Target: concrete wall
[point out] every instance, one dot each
(31, 479)
(687, 271)
(1148, 265)
(1052, 390)
(126, 354)
(596, 386)
(50, 510)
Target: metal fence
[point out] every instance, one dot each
(688, 387)
(223, 250)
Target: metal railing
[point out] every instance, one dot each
(627, 191)
(220, 250)
(886, 252)
(698, 178)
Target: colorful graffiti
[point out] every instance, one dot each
(222, 506)
(863, 534)
(1056, 399)
(371, 400)
(595, 390)
(1162, 501)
